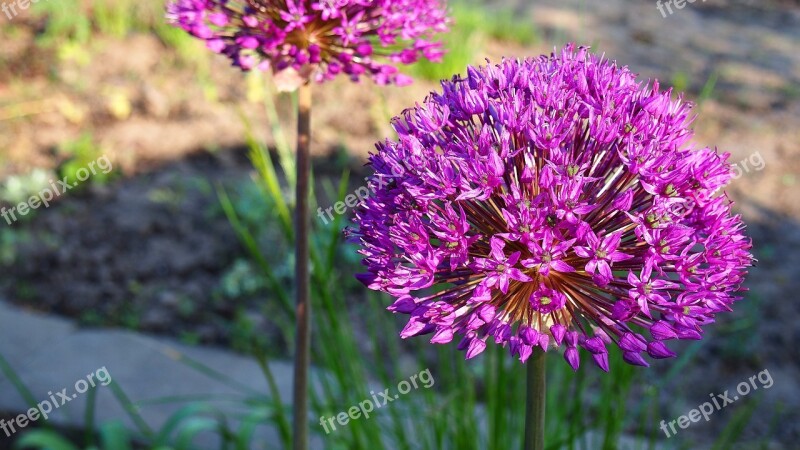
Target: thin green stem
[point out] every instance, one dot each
(302, 358)
(535, 401)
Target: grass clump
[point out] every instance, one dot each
(474, 25)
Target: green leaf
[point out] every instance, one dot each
(44, 440)
(115, 436)
(191, 428)
(266, 170)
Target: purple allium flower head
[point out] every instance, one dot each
(317, 39)
(552, 202)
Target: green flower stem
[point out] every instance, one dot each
(535, 401)
(302, 358)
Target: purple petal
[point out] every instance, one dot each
(518, 275)
(601, 359)
(595, 345)
(619, 256)
(487, 313)
(571, 356)
(662, 330)
(415, 327)
(544, 341)
(525, 352)
(443, 336)
(605, 270)
(475, 348)
(688, 333)
(561, 266)
(658, 350)
(558, 331)
(635, 359)
(497, 246)
(403, 305)
(632, 343)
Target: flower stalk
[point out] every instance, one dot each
(535, 400)
(302, 358)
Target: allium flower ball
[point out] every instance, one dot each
(317, 39)
(555, 203)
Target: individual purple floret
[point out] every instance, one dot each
(317, 39)
(552, 202)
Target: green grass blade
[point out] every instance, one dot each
(284, 148)
(250, 244)
(730, 435)
(89, 417)
(14, 378)
(131, 409)
(284, 428)
(211, 373)
(266, 169)
(708, 88)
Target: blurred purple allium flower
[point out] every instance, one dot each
(544, 203)
(317, 39)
